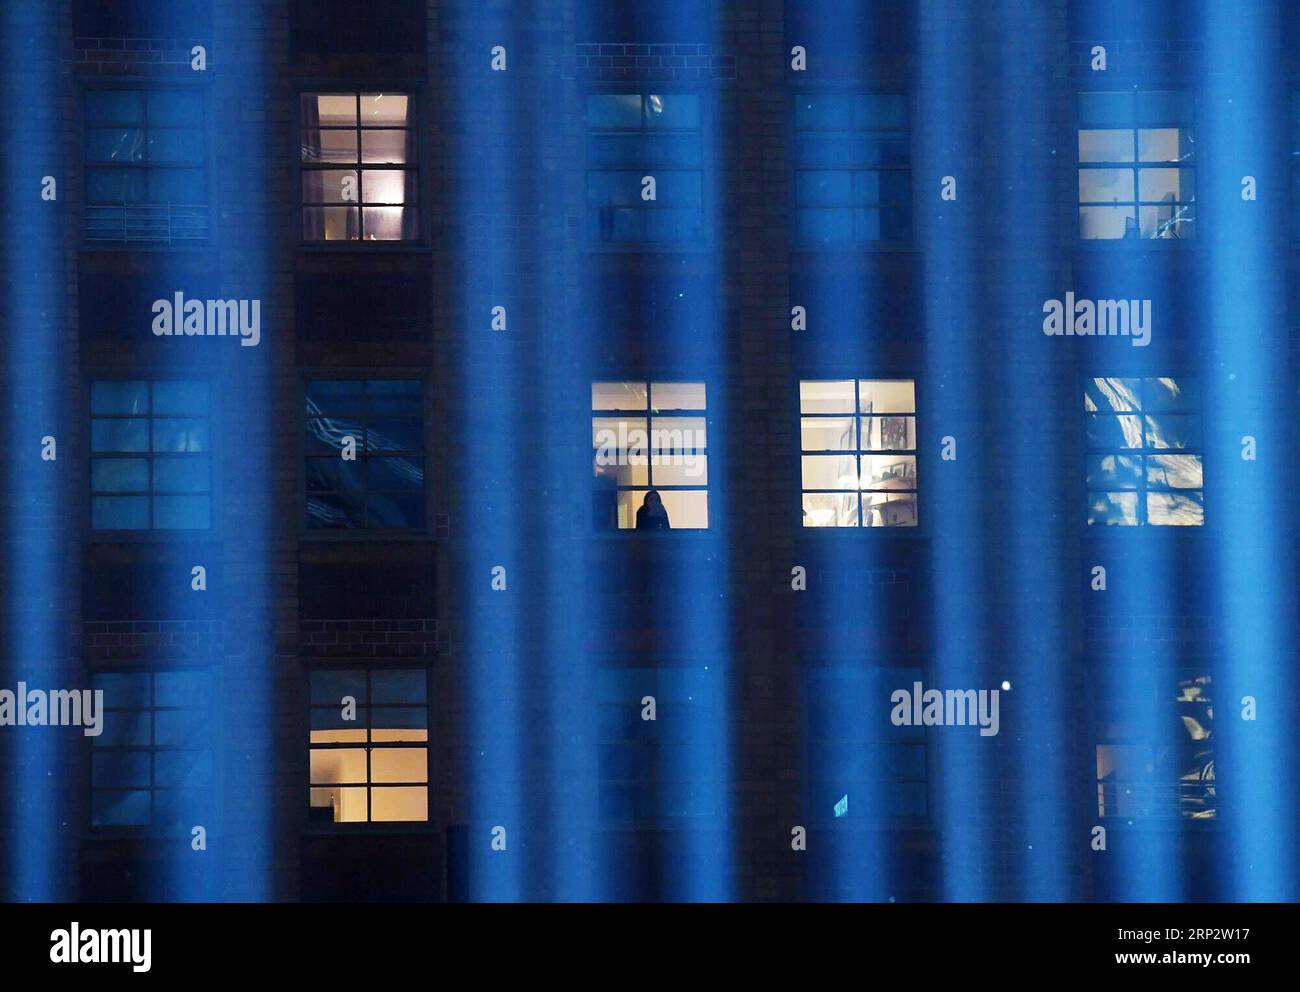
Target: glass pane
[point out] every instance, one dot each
(119, 475)
(823, 188)
(1167, 394)
(1173, 431)
(331, 186)
(609, 110)
(1107, 223)
(180, 435)
(1167, 221)
(677, 396)
(1176, 509)
(672, 110)
(328, 686)
(827, 397)
(119, 397)
(119, 512)
(1112, 394)
(181, 475)
(1113, 508)
(331, 224)
(1162, 107)
(824, 111)
(389, 223)
(677, 435)
(124, 728)
(122, 144)
(880, 111)
(1114, 471)
(114, 106)
(679, 470)
(380, 109)
(119, 435)
(828, 433)
(348, 805)
(120, 809)
(384, 186)
(829, 471)
(116, 186)
(123, 688)
(399, 764)
(395, 435)
(830, 509)
(1108, 431)
(399, 804)
(615, 436)
(1114, 145)
(176, 186)
(889, 472)
(119, 769)
(1105, 185)
(329, 109)
(182, 689)
(888, 433)
(1175, 471)
(175, 145)
(1166, 185)
(404, 724)
(619, 396)
(383, 146)
(329, 146)
(887, 396)
(175, 108)
(183, 769)
(398, 686)
(331, 766)
(687, 510)
(1164, 145)
(664, 151)
(889, 509)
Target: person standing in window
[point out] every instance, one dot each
(652, 515)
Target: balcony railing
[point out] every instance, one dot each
(148, 223)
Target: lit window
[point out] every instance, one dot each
(863, 769)
(150, 465)
(149, 765)
(369, 745)
(645, 179)
(365, 454)
(852, 169)
(1172, 778)
(661, 768)
(1144, 452)
(358, 167)
(1136, 175)
(858, 443)
(651, 466)
(145, 179)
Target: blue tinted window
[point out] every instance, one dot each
(383, 486)
(161, 461)
(852, 169)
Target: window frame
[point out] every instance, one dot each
(797, 245)
(205, 162)
(415, 122)
(707, 241)
(425, 532)
(920, 530)
(369, 666)
(215, 457)
(620, 533)
(1142, 526)
(153, 827)
(1139, 243)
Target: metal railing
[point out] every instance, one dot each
(148, 223)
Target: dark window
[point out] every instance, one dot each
(662, 768)
(863, 767)
(1144, 452)
(358, 167)
(1136, 175)
(150, 465)
(150, 765)
(145, 174)
(645, 178)
(852, 169)
(369, 745)
(365, 454)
